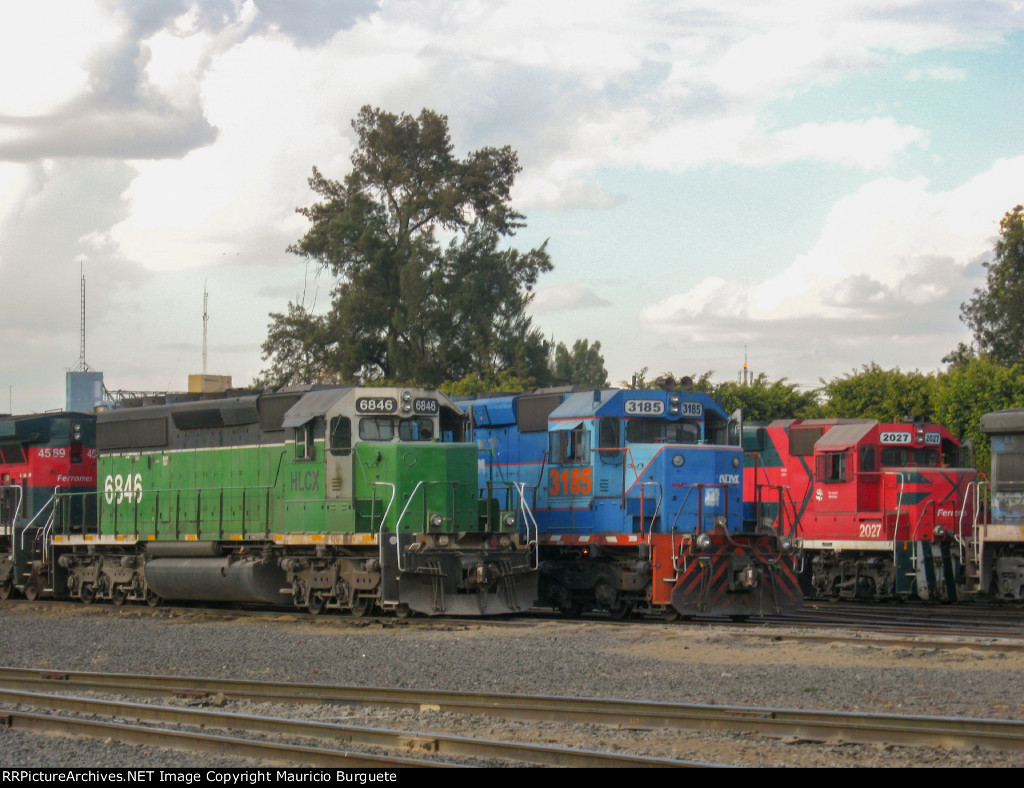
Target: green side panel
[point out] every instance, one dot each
(430, 479)
(205, 493)
(255, 492)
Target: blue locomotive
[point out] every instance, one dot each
(637, 496)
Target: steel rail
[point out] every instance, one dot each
(347, 735)
(272, 752)
(844, 726)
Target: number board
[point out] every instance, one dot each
(897, 438)
(376, 405)
(424, 406)
(932, 439)
(644, 407)
(694, 410)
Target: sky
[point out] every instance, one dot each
(810, 186)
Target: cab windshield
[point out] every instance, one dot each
(662, 431)
(384, 428)
(906, 457)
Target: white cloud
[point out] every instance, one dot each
(159, 137)
(938, 74)
(568, 297)
(39, 76)
(893, 257)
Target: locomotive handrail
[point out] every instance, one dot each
(387, 509)
(31, 522)
(901, 483)
(136, 500)
(528, 518)
(982, 509)
(17, 506)
(796, 520)
(672, 535)
(657, 505)
(47, 526)
(963, 522)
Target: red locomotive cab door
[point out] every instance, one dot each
(869, 480)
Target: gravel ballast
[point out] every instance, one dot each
(686, 663)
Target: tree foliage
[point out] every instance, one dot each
(876, 393)
(404, 306)
(581, 366)
(996, 312)
(301, 350)
(970, 390)
(763, 400)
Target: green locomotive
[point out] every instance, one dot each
(321, 497)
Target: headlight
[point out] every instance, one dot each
(703, 541)
(678, 460)
(786, 544)
(504, 541)
(436, 520)
(442, 540)
(735, 462)
(510, 520)
(721, 522)
(939, 532)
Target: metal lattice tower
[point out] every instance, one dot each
(82, 366)
(206, 319)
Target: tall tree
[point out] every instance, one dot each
(996, 312)
(404, 307)
(971, 389)
(581, 366)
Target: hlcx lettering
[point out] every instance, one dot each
(305, 481)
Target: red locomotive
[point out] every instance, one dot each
(39, 454)
(883, 511)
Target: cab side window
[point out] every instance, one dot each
(341, 436)
(832, 467)
(304, 447)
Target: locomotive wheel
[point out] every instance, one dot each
(31, 593)
(5, 589)
(403, 611)
(363, 607)
(119, 596)
(572, 610)
(316, 604)
(622, 610)
(87, 594)
(670, 614)
(152, 599)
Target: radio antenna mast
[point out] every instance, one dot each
(206, 319)
(82, 366)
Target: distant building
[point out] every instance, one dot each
(208, 384)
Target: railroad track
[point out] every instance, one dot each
(846, 727)
(190, 726)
